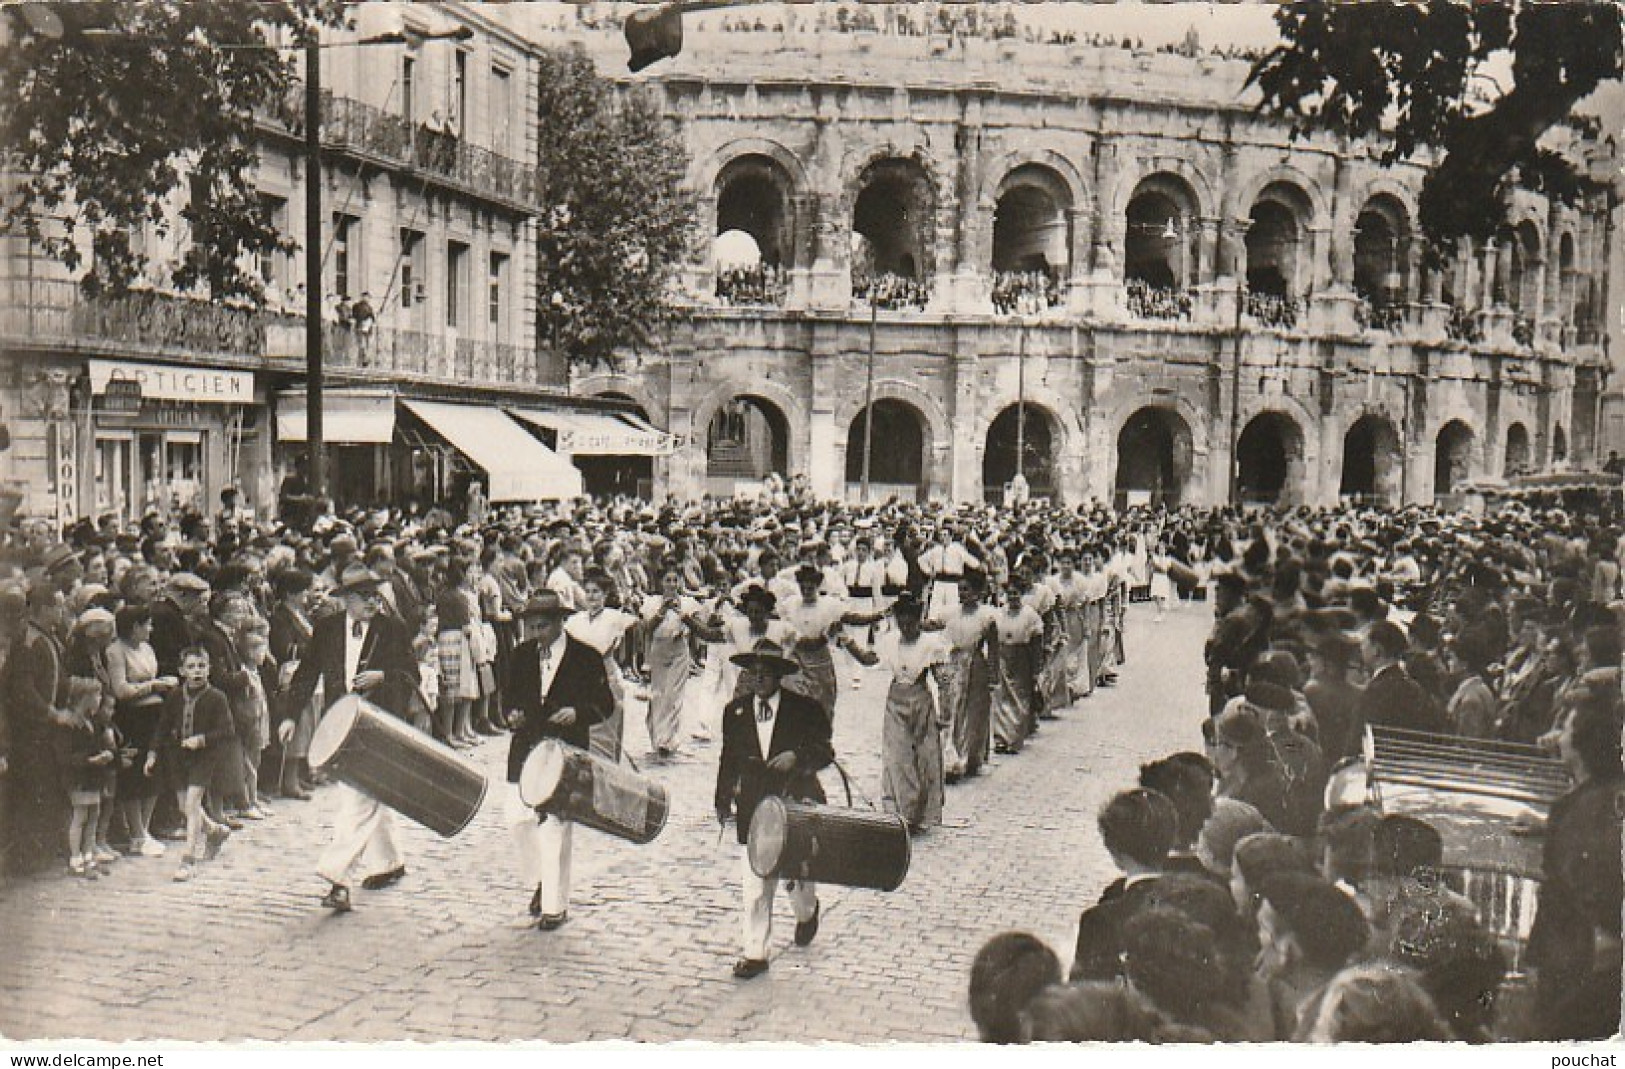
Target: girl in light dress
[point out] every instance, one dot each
(1162, 586)
(669, 618)
(971, 631)
(911, 745)
(604, 629)
(1020, 632)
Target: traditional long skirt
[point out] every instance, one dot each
(604, 737)
(817, 676)
(963, 684)
(669, 665)
(1080, 676)
(1013, 697)
(1053, 691)
(911, 755)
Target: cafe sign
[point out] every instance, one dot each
(161, 382)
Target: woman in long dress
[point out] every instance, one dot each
(669, 617)
(911, 735)
(1071, 679)
(972, 634)
(816, 620)
(1162, 585)
(1020, 633)
(603, 628)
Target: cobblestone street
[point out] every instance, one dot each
(244, 952)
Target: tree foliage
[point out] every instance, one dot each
(616, 220)
(1416, 76)
(136, 100)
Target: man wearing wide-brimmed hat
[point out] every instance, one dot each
(774, 742)
(556, 688)
(367, 652)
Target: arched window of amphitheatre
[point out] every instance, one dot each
(892, 223)
(1381, 244)
(1275, 241)
(755, 231)
(1567, 277)
(1032, 238)
(1159, 248)
(1527, 255)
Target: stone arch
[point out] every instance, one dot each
(937, 424)
(1383, 232)
(1196, 418)
(1155, 456)
(1453, 461)
(1286, 174)
(755, 194)
(1205, 203)
(1162, 232)
(893, 209)
(1042, 434)
(860, 159)
(705, 171)
(747, 438)
(1518, 454)
(1373, 460)
(1271, 459)
(1279, 252)
(794, 410)
(615, 384)
(1386, 187)
(1032, 224)
(902, 447)
(1560, 445)
(997, 174)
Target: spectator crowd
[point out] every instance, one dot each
(1261, 899)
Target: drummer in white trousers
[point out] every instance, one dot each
(368, 653)
(557, 688)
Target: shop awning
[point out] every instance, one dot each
(520, 467)
(348, 417)
(588, 434)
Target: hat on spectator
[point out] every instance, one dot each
(1240, 728)
(188, 583)
(769, 655)
(59, 556)
(759, 594)
(809, 573)
(1271, 697)
(91, 617)
(545, 603)
(357, 579)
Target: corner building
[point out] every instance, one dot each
(1098, 257)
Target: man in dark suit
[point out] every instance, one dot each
(556, 689)
(366, 652)
(774, 742)
(1392, 698)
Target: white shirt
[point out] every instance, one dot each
(764, 728)
(550, 662)
(352, 649)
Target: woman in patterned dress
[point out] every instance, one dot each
(963, 680)
(1021, 634)
(911, 735)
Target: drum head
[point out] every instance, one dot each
(539, 779)
(768, 829)
(333, 729)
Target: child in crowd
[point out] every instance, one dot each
(252, 639)
(192, 734)
(85, 752)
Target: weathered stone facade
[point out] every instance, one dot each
(1145, 202)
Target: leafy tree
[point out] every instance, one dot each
(1421, 73)
(112, 106)
(615, 222)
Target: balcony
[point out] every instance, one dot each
(145, 322)
(387, 353)
(1014, 291)
(891, 292)
(353, 126)
(1464, 325)
(1379, 314)
(758, 286)
(1146, 301)
(1272, 311)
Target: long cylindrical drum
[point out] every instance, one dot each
(563, 781)
(398, 765)
(827, 844)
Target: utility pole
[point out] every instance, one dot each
(1021, 396)
(869, 401)
(315, 447)
(1235, 394)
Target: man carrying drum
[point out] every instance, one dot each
(365, 652)
(774, 742)
(557, 688)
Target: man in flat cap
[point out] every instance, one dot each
(367, 652)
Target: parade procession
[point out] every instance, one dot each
(795, 523)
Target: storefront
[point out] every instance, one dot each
(614, 451)
(386, 449)
(166, 439)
